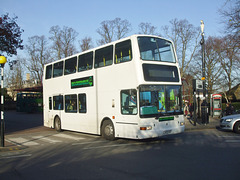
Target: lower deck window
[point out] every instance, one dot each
(71, 103)
(129, 102)
(58, 102)
(82, 103)
(50, 103)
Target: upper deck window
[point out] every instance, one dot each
(48, 72)
(58, 69)
(156, 49)
(104, 57)
(70, 65)
(85, 61)
(123, 52)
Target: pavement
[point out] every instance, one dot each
(212, 124)
(189, 126)
(10, 146)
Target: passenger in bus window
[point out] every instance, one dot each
(71, 107)
(60, 106)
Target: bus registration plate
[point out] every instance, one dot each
(167, 132)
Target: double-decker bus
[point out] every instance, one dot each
(130, 88)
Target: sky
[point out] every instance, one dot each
(36, 17)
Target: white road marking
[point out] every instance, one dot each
(82, 143)
(16, 156)
(31, 141)
(68, 136)
(232, 141)
(115, 145)
(23, 141)
(228, 136)
(46, 139)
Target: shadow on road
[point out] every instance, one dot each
(18, 121)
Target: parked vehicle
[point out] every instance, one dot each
(231, 122)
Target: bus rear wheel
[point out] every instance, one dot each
(57, 124)
(108, 131)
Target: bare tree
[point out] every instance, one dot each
(213, 67)
(111, 30)
(147, 28)
(85, 43)
(14, 79)
(186, 39)
(231, 18)
(212, 64)
(229, 53)
(63, 41)
(38, 55)
(122, 27)
(221, 57)
(172, 32)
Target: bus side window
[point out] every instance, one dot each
(123, 52)
(70, 65)
(48, 72)
(58, 69)
(82, 103)
(129, 102)
(58, 102)
(85, 62)
(104, 57)
(71, 103)
(50, 103)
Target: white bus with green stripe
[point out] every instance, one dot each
(130, 88)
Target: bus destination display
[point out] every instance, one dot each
(82, 82)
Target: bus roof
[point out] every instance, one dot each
(108, 44)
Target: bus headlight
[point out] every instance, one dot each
(182, 123)
(146, 128)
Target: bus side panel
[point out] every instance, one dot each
(48, 113)
(83, 122)
(125, 129)
(47, 122)
(110, 82)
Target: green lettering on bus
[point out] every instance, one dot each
(82, 82)
(166, 118)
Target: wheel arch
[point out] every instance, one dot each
(54, 119)
(105, 119)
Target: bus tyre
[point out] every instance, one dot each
(236, 127)
(57, 124)
(108, 131)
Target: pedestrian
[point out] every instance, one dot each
(191, 109)
(186, 109)
(229, 109)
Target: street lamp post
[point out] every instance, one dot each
(204, 104)
(3, 60)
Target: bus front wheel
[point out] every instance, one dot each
(57, 124)
(108, 131)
